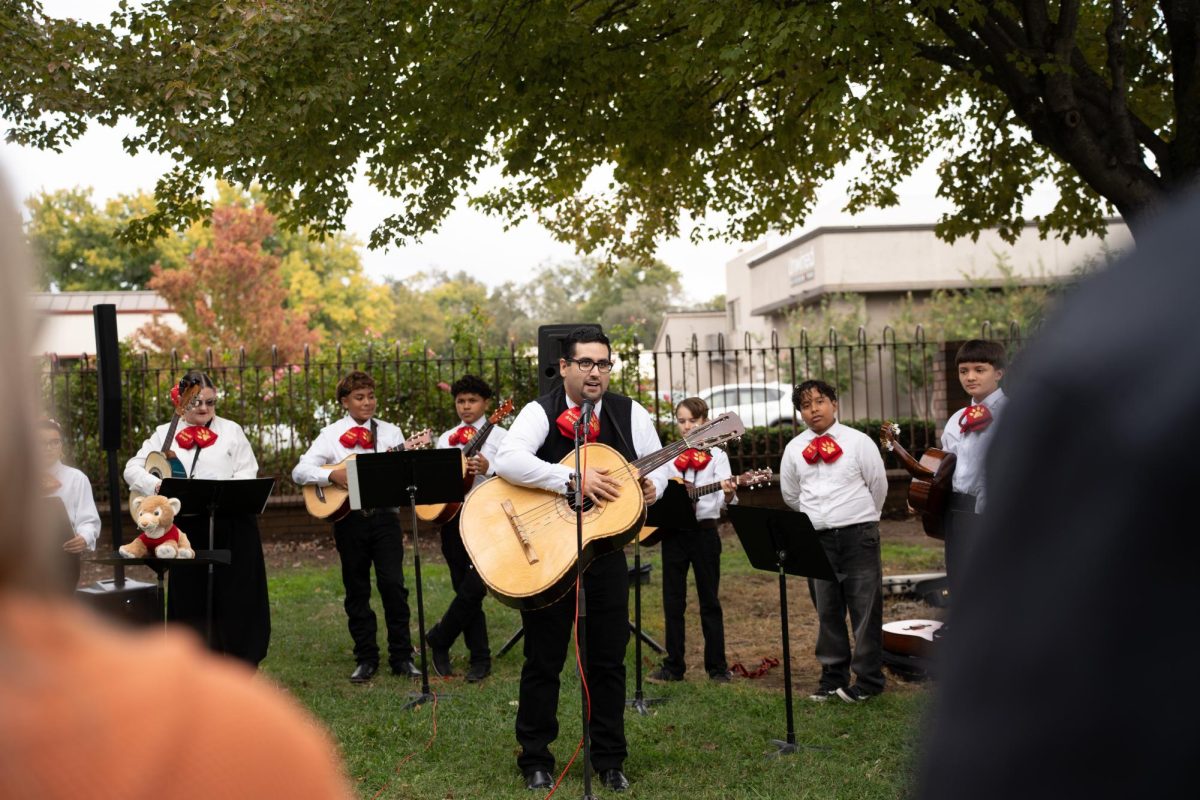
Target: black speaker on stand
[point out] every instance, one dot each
(129, 600)
(550, 350)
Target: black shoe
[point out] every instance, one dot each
(663, 675)
(721, 676)
(478, 672)
(441, 660)
(854, 695)
(823, 693)
(364, 672)
(406, 669)
(539, 779)
(614, 780)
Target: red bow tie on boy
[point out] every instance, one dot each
(463, 435)
(975, 418)
(358, 436)
(567, 420)
(692, 459)
(195, 436)
(822, 448)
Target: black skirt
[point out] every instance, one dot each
(241, 625)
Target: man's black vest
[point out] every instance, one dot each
(615, 428)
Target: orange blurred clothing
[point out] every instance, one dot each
(87, 710)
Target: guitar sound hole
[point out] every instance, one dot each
(588, 505)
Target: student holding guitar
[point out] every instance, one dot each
(479, 438)
(699, 549)
(539, 438)
(364, 537)
(199, 444)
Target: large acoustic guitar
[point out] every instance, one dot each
(649, 535)
(332, 502)
(931, 477)
(522, 541)
(441, 513)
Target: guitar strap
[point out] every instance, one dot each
(196, 457)
(374, 436)
(605, 412)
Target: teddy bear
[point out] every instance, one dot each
(159, 536)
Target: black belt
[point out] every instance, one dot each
(961, 501)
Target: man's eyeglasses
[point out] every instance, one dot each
(586, 364)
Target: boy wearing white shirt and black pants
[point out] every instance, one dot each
(364, 537)
(835, 475)
(465, 613)
(74, 489)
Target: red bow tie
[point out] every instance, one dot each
(567, 420)
(692, 459)
(357, 436)
(975, 418)
(195, 436)
(822, 448)
(463, 435)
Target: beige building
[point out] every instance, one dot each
(64, 319)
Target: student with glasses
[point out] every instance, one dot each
(212, 447)
(74, 490)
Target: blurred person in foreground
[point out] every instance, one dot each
(65, 736)
(1070, 669)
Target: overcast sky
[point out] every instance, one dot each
(467, 240)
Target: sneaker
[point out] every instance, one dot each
(721, 676)
(822, 693)
(853, 695)
(663, 675)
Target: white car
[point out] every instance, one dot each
(757, 404)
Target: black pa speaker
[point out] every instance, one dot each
(108, 371)
(550, 349)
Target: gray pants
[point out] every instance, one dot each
(854, 553)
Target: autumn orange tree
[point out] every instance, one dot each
(230, 294)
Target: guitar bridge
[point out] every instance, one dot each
(519, 530)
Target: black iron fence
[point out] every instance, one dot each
(282, 406)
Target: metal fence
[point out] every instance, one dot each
(282, 406)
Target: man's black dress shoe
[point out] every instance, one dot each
(441, 661)
(406, 669)
(614, 780)
(539, 779)
(478, 672)
(364, 672)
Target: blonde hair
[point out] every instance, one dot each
(24, 554)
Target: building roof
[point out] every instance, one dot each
(82, 302)
(832, 229)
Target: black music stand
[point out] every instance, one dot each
(408, 478)
(783, 542)
(162, 566)
(235, 496)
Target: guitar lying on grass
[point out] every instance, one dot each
(522, 541)
(332, 502)
(751, 479)
(441, 513)
(931, 476)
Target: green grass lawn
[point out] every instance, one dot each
(707, 741)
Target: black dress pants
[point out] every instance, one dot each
(547, 636)
(700, 550)
(241, 608)
(464, 616)
(363, 541)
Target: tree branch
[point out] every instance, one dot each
(1114, 35)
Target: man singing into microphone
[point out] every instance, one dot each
(541, 435)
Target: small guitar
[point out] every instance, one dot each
(751, 479)
(332, 502)
(164, 463)
(441, 513)
(523, 541)
(931, 477)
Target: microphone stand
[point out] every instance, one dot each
(581, 623)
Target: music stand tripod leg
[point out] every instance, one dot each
(426, 694)
(640, 702)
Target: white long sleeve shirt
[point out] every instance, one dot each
(328, 450)
(849, 491)
(489, 450)
(230, 457)
(75, 491)
(709, 506)
(517, 462)
(970, 449)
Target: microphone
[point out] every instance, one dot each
(586, 410)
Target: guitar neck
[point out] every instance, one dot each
(696, 492)
(166, 445)
(647, 464)
(476, 444)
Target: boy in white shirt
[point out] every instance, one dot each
(835, 475)
(74, 489)
(700, 549)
